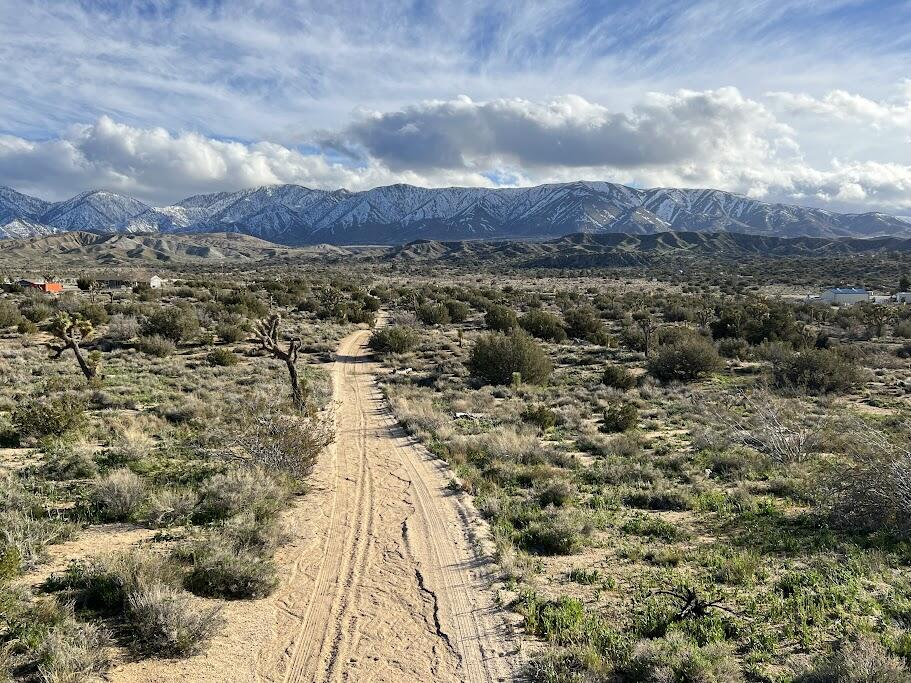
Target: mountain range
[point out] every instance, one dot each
(398, 214)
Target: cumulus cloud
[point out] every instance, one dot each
(158, 166)
(846, 106)
(683, 128)
(713, 138)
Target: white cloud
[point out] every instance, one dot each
(846, 106)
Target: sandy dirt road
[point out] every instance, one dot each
(381, 581)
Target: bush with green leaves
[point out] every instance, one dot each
(394, 339)
(584, 322)
(157, 346)
(676, 658)
(684, 361)
(861, 659)
(458, 310)
(500, 318)
(501, 358)
(231, 332)
(543, 325)
(541, 416)
(620, 416)
(220, 569)
(9, 314)
(432, 313)
(53, 415)
(618, 377)
(176, 323)
(240, 490)
(816, 371)
(222, 358)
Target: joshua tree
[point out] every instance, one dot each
(649, 327)
(72, 331)
(270, 338)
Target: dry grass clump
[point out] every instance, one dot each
(240, 490)
(119, 495)
(72, 652)
(170, 507)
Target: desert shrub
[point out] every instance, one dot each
(119, 495)
(48, 416)
(584, 322)
(619, 417)
(222, 357)
(95, 313)
(279, 442)
(431, 313)
(684, 361)
(219, 569)
(63, 462)
(164, 622)
(123, 328)
(73, 651)
(9, 314)
(458, 310)
(554, 534)
(816, 371)
(130, 444)
(169, 507)
(498, 357)
(394, 339)
(156, 345)
(732, 347)
(540, 415)
(36, 311)
(618, 377)
(240, 490)
(543, 325)
(858, 660)
(676, 658)
(176, 323)
(875, 492)
(558, 492)
(231, 332)
(26, 326)
(28, 532)
(500, 318)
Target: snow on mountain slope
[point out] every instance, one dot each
(292, 214)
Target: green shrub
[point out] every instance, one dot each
(619, 417)
(676, 658)
(458, 310)
(220, 570)
(618, 377)
(432, 313)
(731, 347)
(858, 660)
(541, 415)
(584, 322)
(394, 339)
(48, 416)
(543, 325)
(240, 490)
(497, 357)
(156, 345)
(222, 358)
(684, 361)
(231, 333)
(816, 371)
(9, 314)
(176, 323)
(500, 318)
(556, 534)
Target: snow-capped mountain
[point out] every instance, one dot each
(295, 215)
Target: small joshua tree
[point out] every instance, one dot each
(269, 333)
(72, 331)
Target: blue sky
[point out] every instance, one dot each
(798, 101)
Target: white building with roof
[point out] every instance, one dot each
(845, 295)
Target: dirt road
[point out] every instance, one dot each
(382, 583)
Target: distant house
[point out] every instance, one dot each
(42, 285)
(155, 282)
(845, 295)
(903, 297)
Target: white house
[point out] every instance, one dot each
(845, 295)
(903, 297)
(155, 282)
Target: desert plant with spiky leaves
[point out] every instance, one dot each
(269, 331)
(72, 330)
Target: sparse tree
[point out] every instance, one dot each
(877, 316)
(648, 325)
(72, 331)
(270, 337)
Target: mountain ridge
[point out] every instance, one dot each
(295, 215)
